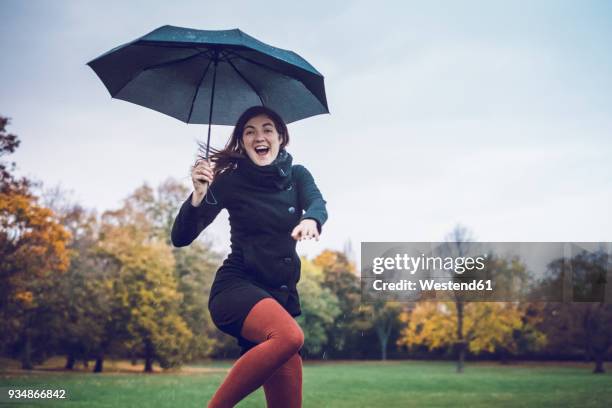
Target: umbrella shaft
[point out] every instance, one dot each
(212, 99)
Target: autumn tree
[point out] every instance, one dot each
(476, 326)
(33, 250)
(320, 308)
(513, 282)
(195, 265)
(486, 325)
(339, 276)
(156, 207)
(458, 245)
(145, 288)
(84, 296)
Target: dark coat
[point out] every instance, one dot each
(264, 203)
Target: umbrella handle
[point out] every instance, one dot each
(209, 191)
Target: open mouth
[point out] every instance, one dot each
(262, 150)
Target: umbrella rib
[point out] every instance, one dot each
(237, 55)
(258, 64)
(280, 73)
(239, 47)
(195, 95)
(156, 66)
(245, 80)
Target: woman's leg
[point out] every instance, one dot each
(279, 337)
(284, 388)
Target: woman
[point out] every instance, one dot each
(271, 205)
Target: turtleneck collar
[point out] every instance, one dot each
(276, 174)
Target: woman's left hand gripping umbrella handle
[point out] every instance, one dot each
(202, 175)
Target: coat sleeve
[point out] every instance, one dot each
(311, 199)
(191, 221)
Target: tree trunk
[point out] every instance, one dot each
(383, 338)
(148, 365)
(99, 364)
(461, 357)
(148, 357)
(383, 349)
(599, 364)
(70, 360)
(503, 356)
(460, 341)
(26, 354)
(588, 335)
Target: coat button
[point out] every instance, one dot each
(291, 210)
(290, 187)
(284, 288)
(287, 260)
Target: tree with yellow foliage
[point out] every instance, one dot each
(340, 277)
(196, 264)
(476, 326)
(32, 250)
(319, 308)
(145, 290)
(487, 325)
(472, 326)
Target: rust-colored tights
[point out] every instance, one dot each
(273, 362)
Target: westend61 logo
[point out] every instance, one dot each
(487, 271)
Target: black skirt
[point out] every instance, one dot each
(233, 295)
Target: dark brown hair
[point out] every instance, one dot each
(227, 157)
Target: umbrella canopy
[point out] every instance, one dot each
(202, 76)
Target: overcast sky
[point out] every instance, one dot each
(495, 115)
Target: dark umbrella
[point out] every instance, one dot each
(202, 76)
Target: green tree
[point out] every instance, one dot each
(195, 268)
(384, 318)
(319, 308)
(8, 145)
(582, 326)
(195, 265)
(84, 296)
(340, 278)
(512, 281)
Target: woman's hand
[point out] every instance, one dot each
(306, 229)
(201, 175)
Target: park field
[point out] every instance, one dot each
(334, 384)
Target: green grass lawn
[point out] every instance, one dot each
(343, 384)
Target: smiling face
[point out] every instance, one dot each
(260, 140)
